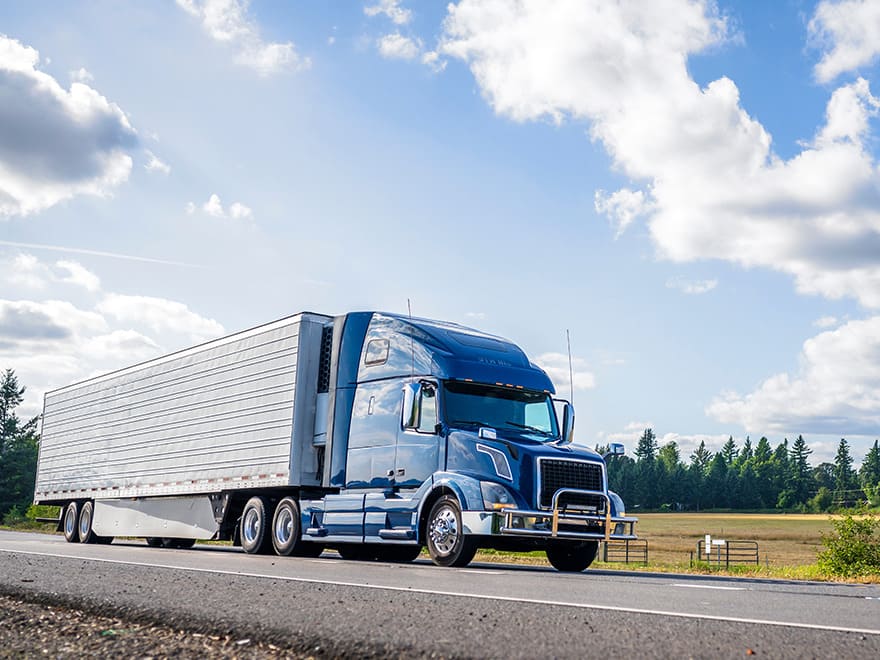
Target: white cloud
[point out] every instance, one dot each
(227, 21)
(154, 164)
(25, 271)
(214, 208)
(691, 287)
(50, 343)
(826, 322)
(432, 60)
(836, 390)
(714, 187)
(82, 75)
(848, 33)
(621, 207)
(159, 315)
(55, 143)
(392, 10)
(556, 366)
(398, 47)
(78, 275)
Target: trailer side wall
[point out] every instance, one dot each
(215, 417)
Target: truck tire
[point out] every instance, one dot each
(71, 523)
(176, 543)
(255, 528)
(154, 541)
(447, 543)
(287, 532)
(84, 524)
(571, 556)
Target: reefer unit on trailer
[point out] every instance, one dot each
(374, 434)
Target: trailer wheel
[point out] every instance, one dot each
(71, 521)
(447, 543)
(154, 542)
(176, 544)
(86, 516)
(572, 556)
(256, 537)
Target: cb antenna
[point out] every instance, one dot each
(412, 345)
(570, 369)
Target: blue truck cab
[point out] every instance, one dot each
(433, 434)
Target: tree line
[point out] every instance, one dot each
(757, 476)
(19, 443)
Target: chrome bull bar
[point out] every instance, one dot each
(518, 522)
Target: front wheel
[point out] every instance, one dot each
(572, 556)
(447, 543)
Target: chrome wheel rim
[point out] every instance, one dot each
(251, 527)
(283, 526)
(444, 531)
(85, 521)
(70, 521)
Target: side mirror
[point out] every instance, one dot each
(614, 449)
(567, 424)
(411, 398)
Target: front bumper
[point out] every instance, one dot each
(556, 522)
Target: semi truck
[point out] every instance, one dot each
(369, 433)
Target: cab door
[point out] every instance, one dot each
(418, 441)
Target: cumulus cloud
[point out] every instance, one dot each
(848, 34)
(398, 47)
(712, 185)
(621, 207)
(154, 164)
(227, 21)
(214, 207)
(28, 272)
(50, 343)
(835, 391)
(390, 9)
(556, 366)
(82, 75)
(55, 143)
(159, 315)
(691, 287)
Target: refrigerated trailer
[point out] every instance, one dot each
(370, 433)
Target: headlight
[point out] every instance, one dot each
(499, 460)
(495, 496)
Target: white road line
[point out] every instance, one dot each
(480, 571)
(439, 592)
(709, 586)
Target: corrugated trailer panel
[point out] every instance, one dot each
(215, 417)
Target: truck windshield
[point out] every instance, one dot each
(471, 404)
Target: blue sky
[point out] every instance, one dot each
(690, 188)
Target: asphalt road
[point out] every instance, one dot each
(486, 610)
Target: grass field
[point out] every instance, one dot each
(784, 540)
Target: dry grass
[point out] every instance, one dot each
(784, 540)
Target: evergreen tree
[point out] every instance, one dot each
(701, 458)
(799, 473)
(717, 493)
(779, 475)
(18, 448)
(869, 473)
(744, 456)
(647, 447)
(729, 451)
(844, 476)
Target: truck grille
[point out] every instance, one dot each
(560, 473)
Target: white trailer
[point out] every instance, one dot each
(147, 450)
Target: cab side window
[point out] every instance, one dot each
(428, 410)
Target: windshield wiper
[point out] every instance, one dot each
(533, 429)
(475, 422)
